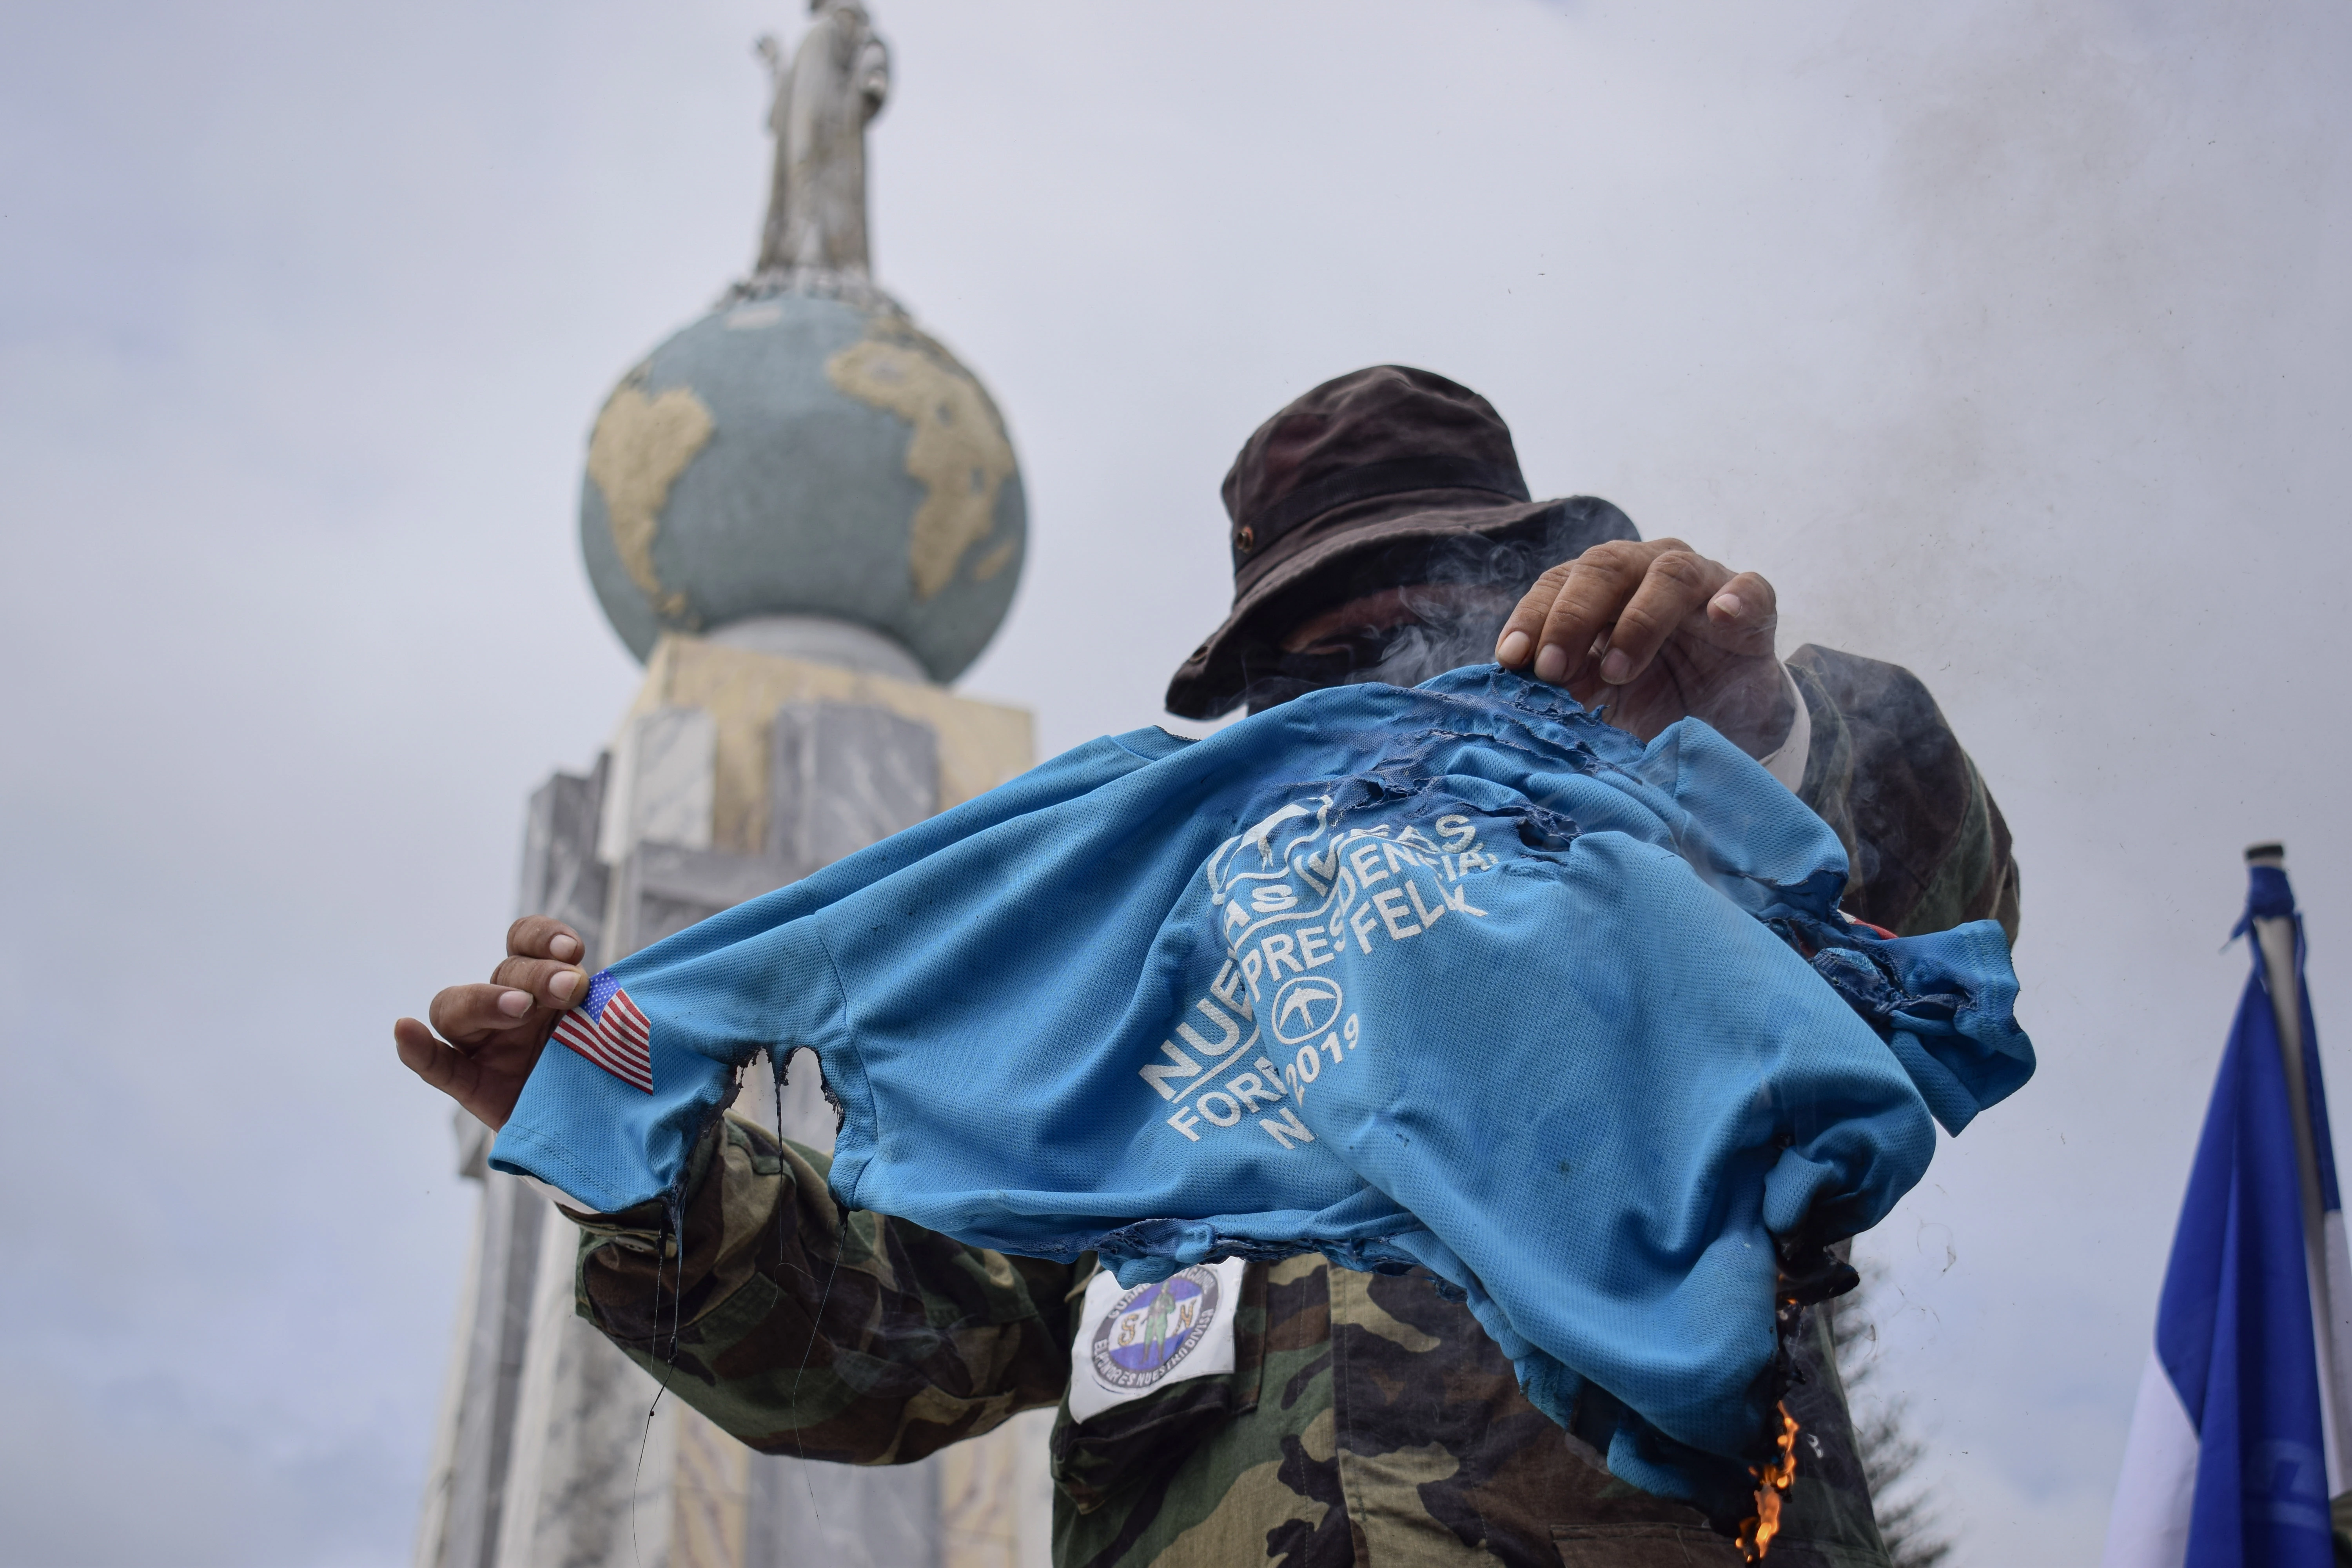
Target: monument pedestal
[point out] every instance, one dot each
(734, 772)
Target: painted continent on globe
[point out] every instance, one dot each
(801, 454)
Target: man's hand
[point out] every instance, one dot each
(1657, 632)
(495, 1032)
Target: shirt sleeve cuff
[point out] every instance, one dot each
(557, 1195)
(1787, 762)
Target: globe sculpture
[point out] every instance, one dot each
(805, 449)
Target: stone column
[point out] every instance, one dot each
(735, 772)
(467, 1481)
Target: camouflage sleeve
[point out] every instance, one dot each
(1928, 846)
(801, 1330)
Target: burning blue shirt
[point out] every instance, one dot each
(1457, 977)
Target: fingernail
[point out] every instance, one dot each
(514, 1004)
(1513, 649)
(1552, 663)
(1728, 606)
(565, 985)
(1616, 667)
(564, 947)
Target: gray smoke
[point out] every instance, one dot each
(1461, 593)
(1450, 633)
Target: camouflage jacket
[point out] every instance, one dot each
(1367, 1420)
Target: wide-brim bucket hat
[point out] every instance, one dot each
(1352, 488)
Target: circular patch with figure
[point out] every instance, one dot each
(1150, 1329)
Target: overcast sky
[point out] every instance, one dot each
(2008, 338)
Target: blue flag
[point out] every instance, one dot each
(2226, 1465)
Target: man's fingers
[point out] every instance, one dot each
(1516, 643)
(465, 1014)
(544, 936)
(448, 1071)
(1677, 584)
(1561, 623)
(486, 1094)
(1601, 619)
(547, 982)
(1588, 604)
(1745, 614)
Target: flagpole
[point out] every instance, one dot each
(2327, 1264)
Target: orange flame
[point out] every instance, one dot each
(1756, 1534)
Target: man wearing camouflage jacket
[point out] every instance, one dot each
(1381, 530)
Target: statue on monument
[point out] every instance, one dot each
(825, 91)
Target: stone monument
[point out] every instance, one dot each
(804, 516)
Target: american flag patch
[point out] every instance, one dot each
(610, 1031)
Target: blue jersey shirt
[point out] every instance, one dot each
(1458, 976)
